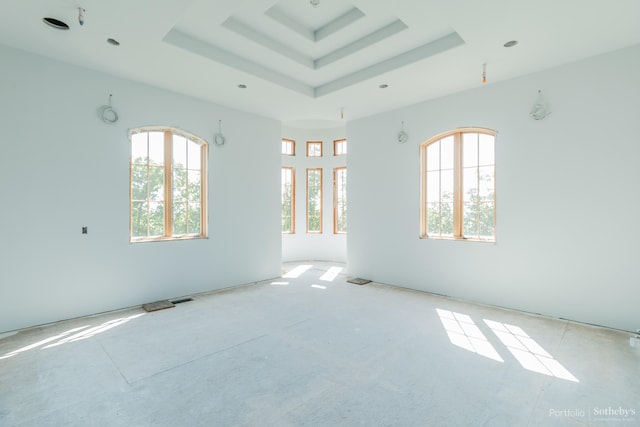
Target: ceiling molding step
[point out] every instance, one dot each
(425, 51)
(279, 16)
(264, 40)
(360, 44)
(190, 44)
(338, 24)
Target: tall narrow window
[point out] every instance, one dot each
(340, 200)
(314, 200)
(168, 176)
(314, 148)
(339, 147)
(288, 200)
(458, 185)
(288, 147)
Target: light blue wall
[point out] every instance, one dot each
(62, 168)
(568, 195)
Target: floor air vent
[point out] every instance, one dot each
(158, 305)
(359, 281)
(181, 300)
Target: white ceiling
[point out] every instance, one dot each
(302, 63)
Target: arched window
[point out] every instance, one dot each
(168, 183)
(458, 197)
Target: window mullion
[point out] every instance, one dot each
(168, 173)
(457, 186)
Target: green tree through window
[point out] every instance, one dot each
(288, 180)
(314, 200)
(458, 185)
(168, 181)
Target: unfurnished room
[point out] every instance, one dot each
(320, 213)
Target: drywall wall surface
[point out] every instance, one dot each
(568, 195)
(62, 168)
(326, 246)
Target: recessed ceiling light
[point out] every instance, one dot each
(511, 43)
(241, 86)
(113, 42)
(383, 86)
(55, 23)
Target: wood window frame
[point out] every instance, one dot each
(458, 225)
(168, 133)
(336, 195)
(336, 144)
(312, 144)
(307, 201)
(292, 144)
(293, 199)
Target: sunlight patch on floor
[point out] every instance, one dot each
(297, 271)
(464, 333)
(528, 352)
(331, 274)
(79, 333)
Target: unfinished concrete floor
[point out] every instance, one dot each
(313, 350)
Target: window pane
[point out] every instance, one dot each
(470, 219)
(139, 152)
(446, 219)
(194, 186)
(314, 149)
(446, 186)
(139, 219)
(156, 182)
(433, 219)
(341, 200)
(179, 185)
(470, 184)
(156, 148)
(433, 156)
(470, 149)
(287, 199)
(179, 151)
(433, 186)
(179, 218)
(194, 155)
(314, 200)
(156, 219)
(139, 182)
(486, 217)
(194, 223)
(487, 149)
(446, 153)
(487, 183)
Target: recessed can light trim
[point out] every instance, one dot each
(55, 23)
(511, 43)
(113, 42)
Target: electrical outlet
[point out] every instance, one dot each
(84, 229)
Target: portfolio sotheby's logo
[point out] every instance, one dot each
(573, 413)
(597, 413)
(619, 413)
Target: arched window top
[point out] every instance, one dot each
(175, 131)
(458, 197)
(459, 131)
